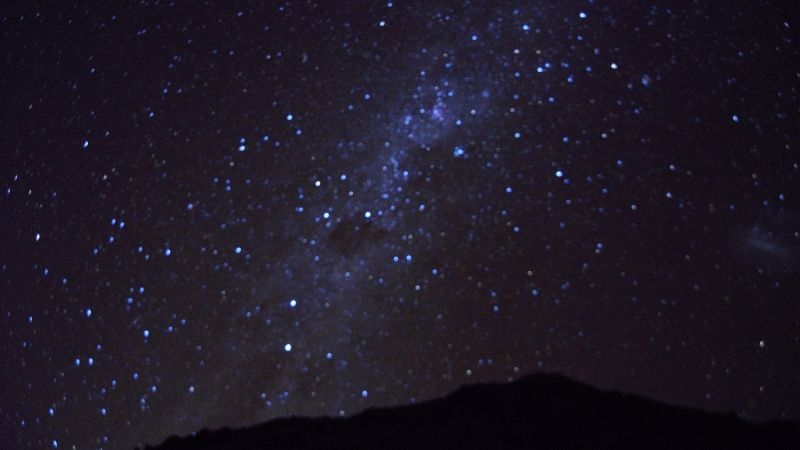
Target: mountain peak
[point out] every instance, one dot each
(544, 410)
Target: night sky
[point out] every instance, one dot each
(219, 214)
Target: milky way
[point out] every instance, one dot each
(221, 214)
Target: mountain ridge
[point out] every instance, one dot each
(543, 411)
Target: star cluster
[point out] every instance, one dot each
(217, 214)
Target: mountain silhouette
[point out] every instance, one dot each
(542, 411)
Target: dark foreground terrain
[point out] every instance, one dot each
(536, 412)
